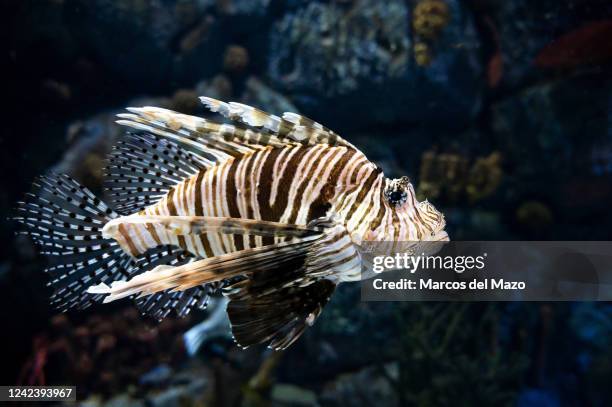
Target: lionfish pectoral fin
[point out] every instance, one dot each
(280, 288)
(197, 225)
(162, 303)
(276, 305)
(211, 270)
(278, 316)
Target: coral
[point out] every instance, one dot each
(332, 47)
(235, 59)
(185, 101)
(442, 175)
(104, 354)
(429, 18)
(534, 216)
(484, 177)
(170, 38)
(429, 169)
(587, 45)
(452, 177)
(196, 36)
(365, 387)
(256, 93)
(422, 54)
(257, 390)
(89, 142)
(351, 64)
(447, 348)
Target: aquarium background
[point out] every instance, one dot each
(499, 111)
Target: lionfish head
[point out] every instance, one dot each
(401, 198)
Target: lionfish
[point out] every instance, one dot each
(270, 211)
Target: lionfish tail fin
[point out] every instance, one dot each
(65, 220)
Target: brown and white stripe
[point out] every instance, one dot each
(286, 169)
(289, 185)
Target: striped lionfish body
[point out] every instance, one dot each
(271, 210)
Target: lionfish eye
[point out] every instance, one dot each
(397, 191)
(397, 197)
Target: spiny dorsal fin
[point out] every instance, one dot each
(201, 136)
(245, 114)
(290, 127)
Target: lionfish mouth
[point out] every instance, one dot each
(440, 236)
(438, 232)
